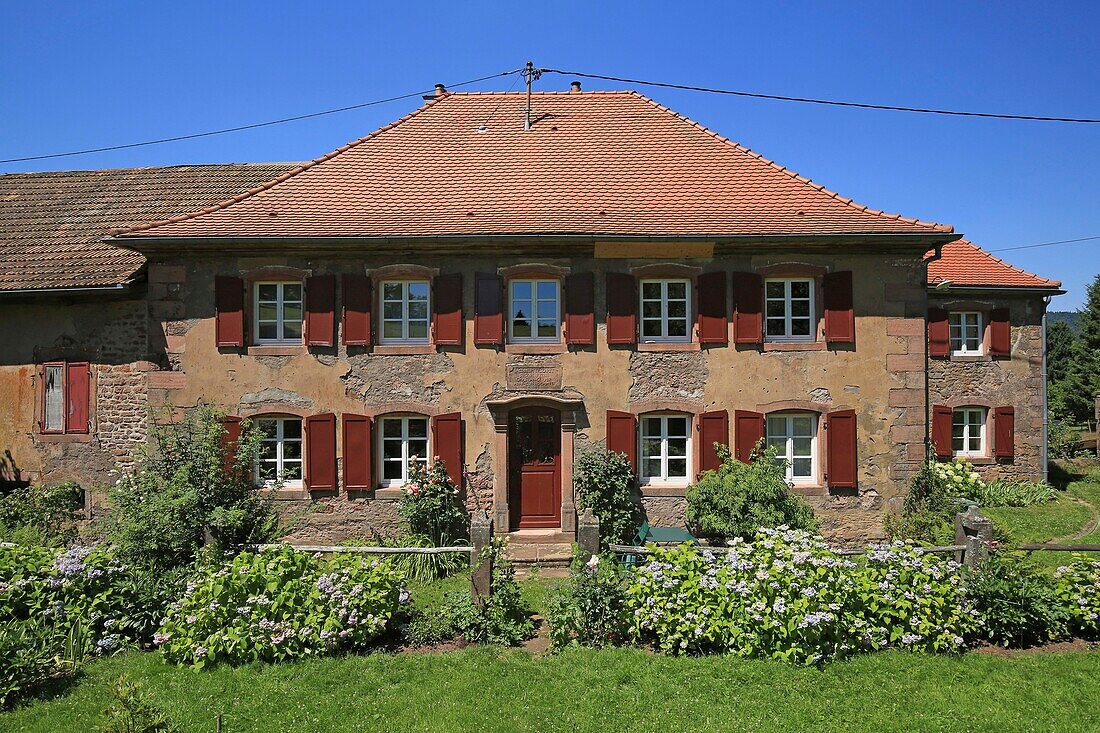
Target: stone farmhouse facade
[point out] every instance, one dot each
(455, 287)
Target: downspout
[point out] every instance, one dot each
(927, 361)
(1046, 413)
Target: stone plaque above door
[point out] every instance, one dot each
(538, 377)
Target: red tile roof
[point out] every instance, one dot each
(965, 263)
(52, 225)
(595, 163)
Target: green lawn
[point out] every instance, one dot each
(621, 690)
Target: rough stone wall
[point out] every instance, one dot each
(989, 382)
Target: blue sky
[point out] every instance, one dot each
(80, 75)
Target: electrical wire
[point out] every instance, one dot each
(253, 126)
(832, 102)
(1044, 244)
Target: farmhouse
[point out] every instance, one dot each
(454, 286)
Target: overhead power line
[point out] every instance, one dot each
(831, 102)
(1046, 244)
(253, 126)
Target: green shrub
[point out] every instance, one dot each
(787, 596)
(590, 610)
(1018, 606)
(1078, 589)
(29, 656)
(604, 482)
(1063, 439)
(432, 505)
(40, 515)
(740, 498)
(133, 712)
(280, 604)
(1014, 492)
(184, 485)
(929, 511)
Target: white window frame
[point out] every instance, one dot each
(969, 412)
(536, 314)
(280, 459)
(61, 390)
(663, 436)
(788, 453)
(957, 324)
(664, 317)
(404, 320)
(786, 336)
(280, 319)
(405, 453)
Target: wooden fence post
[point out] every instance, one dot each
(975, 531)
(588, 534)
(481, 559)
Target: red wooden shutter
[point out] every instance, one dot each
(622, 308)
(358, 448)
(229, 310)
(1000, 334)
(840, 319)
(321, 310)
(580, 315)
(941, 431)
(447, 313)
(1004, 432)
(321, 452)
(840, 445)
(488, 309)
(232, 435)
(939, 333)
(622, 435)
(357, 309)
(714, 427)
(713, 319)
(78, 396)
(748, 308)
(748, 430)
(447, 437)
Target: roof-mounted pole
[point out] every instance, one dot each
(530, 73)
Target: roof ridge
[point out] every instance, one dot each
(243, 164)
(279, 179)
(793, 174)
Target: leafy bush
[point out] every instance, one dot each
(1078, 589)
(1018, 606)
(28, 658)
(133, 711)
(1063, 439)
(740, 498)
(40, 515)
(787, 596)
(280, 604)
(432, 505)
(591, 609)
(185, 484)
(929, 512)
(604, 482)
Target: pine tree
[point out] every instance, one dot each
(1077, 391)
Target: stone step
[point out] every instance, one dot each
(549, 554)
(539, 537)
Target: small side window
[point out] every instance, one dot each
(966, 333)
(280, 459)
(53, 399)
(277, 309)
(968, 431)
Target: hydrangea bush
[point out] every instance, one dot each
(281, 604)
(1078, 589)
(787, 596)
(960, 477)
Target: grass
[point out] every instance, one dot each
(583, 690)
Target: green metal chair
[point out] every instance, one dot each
(657, 535)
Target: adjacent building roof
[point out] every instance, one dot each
(593, 163)
(52, 225)
(966, 264)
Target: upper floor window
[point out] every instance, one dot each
(404, 439)
(665, 444)
(278, 312)
(794, 437)
(968, 431)
(405, 311)
(534, 310)
(966, 333)
(666, 312)
(280, 459)
(789, 309)
(65, 397)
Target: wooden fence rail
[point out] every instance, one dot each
(371, 550)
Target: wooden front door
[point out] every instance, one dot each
(534, 467)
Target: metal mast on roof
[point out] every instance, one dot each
(530, 73)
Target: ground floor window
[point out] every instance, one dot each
(794, 437)
(665, 442)
(968, 431)
(280, 460)
(404, 439)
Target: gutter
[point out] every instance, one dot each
(65, 291)
(938, 254)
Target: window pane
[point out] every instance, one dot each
(777, 426)
(269, 331)
(677, 468)
(391, 450)
(802, 446)
(292, 471)
(292, 449)
(957, 444)
(266, 427)
(677, 291)
(651, 328)
(803, 425)
(777, 308)
(292, 329)
(548, 329)
(651, 447)
(677, 309)
(651, 467)
(292, 428)
(800, 308)
(55, 403)
(392, 291)
(548, 291)
(268, 291)
(392, 471)
(292, 312)
(800, 289)
(418, 427)
(267, 312)
(418, 330)
(418, 309)
(393, 311)
(651, 309)
(775, 289)
(677, 328)
(521, 289)
(292, 291)
(521, 328)
(651, 426)
(269, 471)
(677, 447)
(677, 426)
(776, 327)
(802, 467)
(418, 292)
(391, 428)
(418, 448)
(800, 327)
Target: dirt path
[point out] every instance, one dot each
(1088, 528)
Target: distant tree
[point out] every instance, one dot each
(1059, 350)
(1077, 390)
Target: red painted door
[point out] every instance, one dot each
(534, 468)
